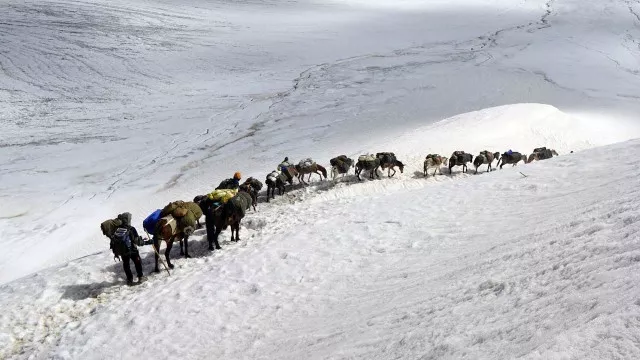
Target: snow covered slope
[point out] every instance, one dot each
(121, 105)
(482, 267)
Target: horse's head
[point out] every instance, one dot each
(166, 228)
(400, 165)
(555, 153)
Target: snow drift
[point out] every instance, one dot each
(489, 266)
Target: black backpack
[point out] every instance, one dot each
(121, 242)
(228, 184)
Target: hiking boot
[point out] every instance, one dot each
(129, 282)
(142, 278)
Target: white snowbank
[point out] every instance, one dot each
(490, 266)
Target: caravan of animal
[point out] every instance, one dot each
(227, 205)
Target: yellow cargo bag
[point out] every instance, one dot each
(222, 195)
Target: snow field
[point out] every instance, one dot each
(487, 266)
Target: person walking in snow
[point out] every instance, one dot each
(232, 183)
(284, 165)
(124, 243)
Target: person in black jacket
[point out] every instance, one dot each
(124, 243)
(232, 183)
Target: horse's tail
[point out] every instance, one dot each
(323, 170)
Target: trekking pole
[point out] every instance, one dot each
(158, 254)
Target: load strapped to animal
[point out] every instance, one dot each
(367, 158)
(342, 163)
(150, 222)
(543, 153)
(306, 163)
(273, 176)
(241, 202)
(432, 156)
(254, 183)
(459, 156)
(186, 213)
(386, 157)
(221, 196)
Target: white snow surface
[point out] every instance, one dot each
(120, 106)
(492, 266)
(126, 105)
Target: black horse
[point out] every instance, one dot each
(370, 165)
(275, 181)
(460, 158)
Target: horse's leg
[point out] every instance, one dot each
(232, 228)
(181, 247)
(186, 247)
(215, 237)
(237, 226)
(167, 252)
(394, 172)
(156, 246)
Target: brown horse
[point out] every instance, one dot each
(485, 157)
(290, 172)
(167, 230)
(388, 161)
(311, 169)
(434, 161)
(391, 167)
